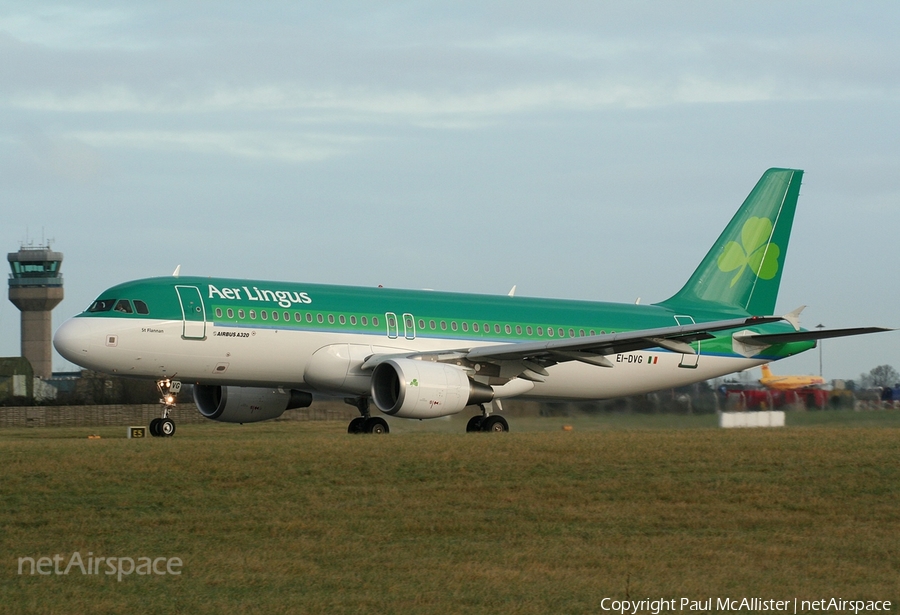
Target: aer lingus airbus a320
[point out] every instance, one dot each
(253, 349)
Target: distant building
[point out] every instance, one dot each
(36, 287)
(16, 379)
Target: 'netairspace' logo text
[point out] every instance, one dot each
(794, 605)
(119, 566)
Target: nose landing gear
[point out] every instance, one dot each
(165, 426)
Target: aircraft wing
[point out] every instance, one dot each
(674, 338)
(531, 356)
(528, 359)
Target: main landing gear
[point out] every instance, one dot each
(165, 426)
(365, 423)
(487, 422)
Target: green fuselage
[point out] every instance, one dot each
(260, 333)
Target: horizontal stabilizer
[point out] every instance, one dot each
(807, 336)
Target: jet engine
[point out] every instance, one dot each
(245, 404)
(424, 389)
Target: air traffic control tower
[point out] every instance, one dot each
(36, 287)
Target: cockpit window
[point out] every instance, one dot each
(102, 305)
(124, 306)
(140, 307)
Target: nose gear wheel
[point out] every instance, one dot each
(168, 391)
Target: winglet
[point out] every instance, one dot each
(177, 271)
(512, 291)
(794, 317)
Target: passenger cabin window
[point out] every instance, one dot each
(140, 307)
(218, 312)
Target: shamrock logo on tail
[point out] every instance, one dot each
(754, 251)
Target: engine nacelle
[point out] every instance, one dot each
(414, 389)
(246, 404)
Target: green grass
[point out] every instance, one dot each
(299, 517)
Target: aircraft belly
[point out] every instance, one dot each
(327, 362)
(645, 373)
(330, 362)
(156, 348)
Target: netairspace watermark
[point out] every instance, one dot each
(725, 605)
(119, 566)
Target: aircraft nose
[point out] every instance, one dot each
(72, 340)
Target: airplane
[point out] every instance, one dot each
(254, 349)
(787, 383)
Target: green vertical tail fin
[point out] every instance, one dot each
(742, 271)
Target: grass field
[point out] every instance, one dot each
(299, 517)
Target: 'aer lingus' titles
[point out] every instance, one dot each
(284, 298)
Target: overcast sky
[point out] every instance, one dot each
(583, 150)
